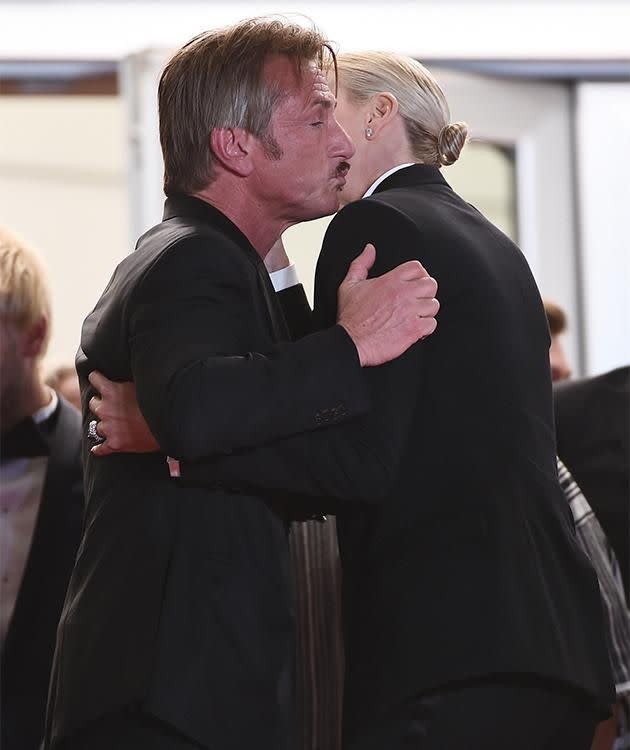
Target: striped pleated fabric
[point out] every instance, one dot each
(595, 544)
(317, 585)
(317, 591)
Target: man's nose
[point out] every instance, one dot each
(342, 145)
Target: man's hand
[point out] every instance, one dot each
(120, 420)
(384, 316)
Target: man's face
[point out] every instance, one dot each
(353, 118)
(13, 372)
(560, 368)
(303, 179)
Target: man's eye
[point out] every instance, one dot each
(317, 124)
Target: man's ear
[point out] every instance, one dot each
(232, 148)
(384, 108)
(34, 337)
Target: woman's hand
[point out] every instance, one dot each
(119, 419)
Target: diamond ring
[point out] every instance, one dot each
(93, 434)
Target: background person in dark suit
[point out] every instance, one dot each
(177, 629)
(41, 498)
(590, 533)
(472, 618)
(593, 433)
(592, 418)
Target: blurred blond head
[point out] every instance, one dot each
(422, 105)
(24, 294)
(24, 330)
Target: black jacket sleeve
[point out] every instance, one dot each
(358, 460)
(297, 311)
(201, 392)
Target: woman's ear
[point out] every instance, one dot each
(383, 110)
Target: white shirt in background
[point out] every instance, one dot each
(21, 484)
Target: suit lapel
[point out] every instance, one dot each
(188, 206)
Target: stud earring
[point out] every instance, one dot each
(369, 132)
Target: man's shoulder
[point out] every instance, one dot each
(607, 393)
(617, 380)
(182, 248)
(183, 233)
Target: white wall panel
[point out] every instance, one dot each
(603, 153)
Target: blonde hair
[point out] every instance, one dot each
(217, 81)
(24, 295)
(422, 104)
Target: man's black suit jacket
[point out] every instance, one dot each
(27, 652)
(467, 566)
(593, 433)
(179, 600)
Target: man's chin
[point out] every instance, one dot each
(346, 196)
(333, 205)
(325, 209)
(344, 199)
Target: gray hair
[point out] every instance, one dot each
(217, 81)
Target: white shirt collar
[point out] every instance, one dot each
(41, 415)
(389, 172)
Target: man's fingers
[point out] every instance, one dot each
(416, 329)
(427, 287)
(111, 432)
(368, 254)
(420, 296)
(427, 308)
(427, 327)
(424, 288)
(409, 271)
(95, 404)
(99, 381)
(102, 449)
(360, 266)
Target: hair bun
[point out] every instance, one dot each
(451, 141)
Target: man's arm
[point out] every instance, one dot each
(188, 319)
(358, 460)
(116, 404)
(191, 314)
